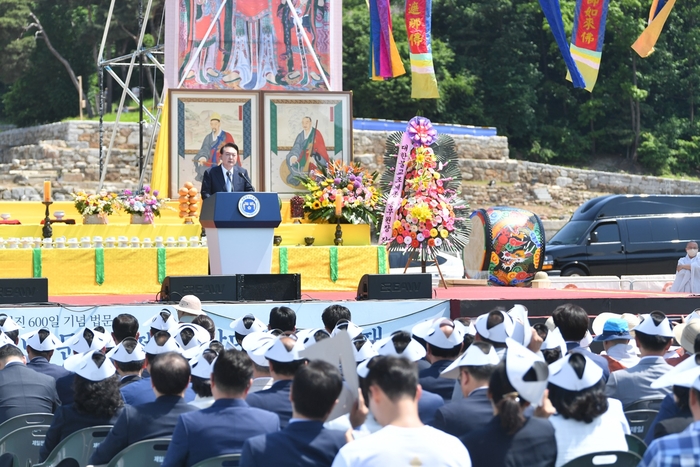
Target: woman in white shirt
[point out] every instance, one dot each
(586, 421)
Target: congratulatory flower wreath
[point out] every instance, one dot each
(421, 186)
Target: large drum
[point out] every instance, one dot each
(506, 246)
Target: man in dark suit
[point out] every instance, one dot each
(473, 369)
(170, 375)
(227, 176)
(129, 358)
(23, 390)
(201, 435)
(305, 442)
(444, 344)
(284, 360)
(40, 347)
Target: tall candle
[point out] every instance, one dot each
(47, 190)
(338, 203)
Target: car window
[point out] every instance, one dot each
(639, 230)
(570, 234)
(688, 228)
(664, 229)
(606, 233)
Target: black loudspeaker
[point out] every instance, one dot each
(274, 287)
(395, 286)
(206, 288)
(16, 291)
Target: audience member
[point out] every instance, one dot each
(255, 345)
(201, 379)
(207, 323)
(444, 343)
(85, 340)
(140, 392)
(228, 423)
(304, 442)
(553, 345)
(282, 318)
(164, 320)
(681, 397)
(685, 334)
(22, 390)
(123, 326)
(348, 326)
(653, 337)
(334, 313)
(473, 371)
(586, 421)
(190, 337)
(511, 438)
(572, 321)
(97, 401)
(41, 345)
(10, 327)
(495, 327)
(682, 448)
(284, 360)
(246, 325)
(616, 342)
(404, 440)
(170, 376)
(189, 308)
(129, 359)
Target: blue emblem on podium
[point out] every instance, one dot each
(249, 206)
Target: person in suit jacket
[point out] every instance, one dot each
(653, 336)
(284, 359)
(444, 344)
(474, 369)
(41, 345)
(170, 375)
(227, 176)
(22, 390)
(97, 401)
(304, 442)
(201, 435)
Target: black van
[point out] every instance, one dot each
(625, 235)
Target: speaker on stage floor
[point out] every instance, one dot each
(262, 287)
(206, 288)
(17, 291)
(395, 286)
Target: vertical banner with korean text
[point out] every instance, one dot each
(423, 80)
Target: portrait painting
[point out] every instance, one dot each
(304, 131)
(201, 123)
(255, 44)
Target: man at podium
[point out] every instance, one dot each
(228, 176)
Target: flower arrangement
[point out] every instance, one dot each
(146, 203)
(339, 191)
(102, 203)
(423, 210)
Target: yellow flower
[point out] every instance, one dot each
(421, 212)
(324, 203)
(318, 193)
(397, 224)
(433, 232)
(444, 233)
(420, 158)
(316, 205)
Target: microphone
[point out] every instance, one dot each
(244, 177)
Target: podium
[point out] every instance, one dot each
(240, 227)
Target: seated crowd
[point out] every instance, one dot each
(492, 391)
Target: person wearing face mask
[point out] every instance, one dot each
(688, 271)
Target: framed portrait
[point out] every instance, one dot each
(201, 123)
(303, 131)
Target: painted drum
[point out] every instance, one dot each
(506, 245)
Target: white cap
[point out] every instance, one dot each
(362, 348)
(679, 330)
(562, 373)
(310, 337)
(122, 355)
(256, 344)
(86, 367)
(587, 340)
(78, 344)
(413, 351)
(164, 320)
(554, 340)
(436, 336)
(655, 324)
(421, 329)
(190, 304)
(239, 326)
(526, 371)
(345, 325)
(192, 347)
(4, 340)
(201, 367)
(169, 345)
(9, 325)
(474, 356)
(522, 332)
(278, 352)
(470, 329)
(498, 333)
(683, 374)
(51, 342)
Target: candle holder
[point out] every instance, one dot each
(338, 234)
(47, 231)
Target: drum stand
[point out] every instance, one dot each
(423, 265)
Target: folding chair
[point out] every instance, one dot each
(640, 421)
(79, 446)
(607, 459)
(24, 444)
(648, 404)
(636, 445)
(147, 453)
(229, 460)
(20, 421)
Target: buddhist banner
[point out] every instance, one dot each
(423, 81)
(587, 38)
(384, 59)
(658, 14)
